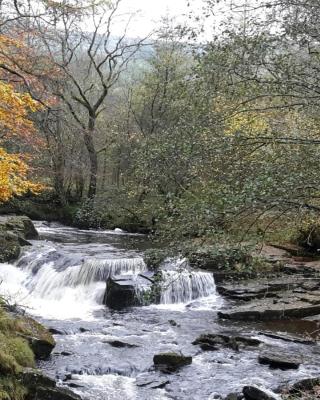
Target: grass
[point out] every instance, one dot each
(15, 354)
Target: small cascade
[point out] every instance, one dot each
(50, 271)
(183, 286)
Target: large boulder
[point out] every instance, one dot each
(129, 290)
(22, 226)
(170, 362)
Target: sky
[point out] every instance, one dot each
(151, 11)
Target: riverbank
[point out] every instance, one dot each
(23, 340)
(63, 278)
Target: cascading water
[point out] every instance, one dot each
(183, 286)
(62, 281)
(45, 277)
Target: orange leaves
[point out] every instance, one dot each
(14, 109)
(13, 177)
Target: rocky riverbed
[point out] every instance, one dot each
(252, 338)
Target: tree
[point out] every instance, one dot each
(91, 63)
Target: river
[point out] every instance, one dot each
(61, 281)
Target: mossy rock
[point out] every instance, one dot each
(170, 362)
(22, 226)
(9, 246)
(39, 338)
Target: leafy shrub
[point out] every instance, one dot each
(308, 235)
(219, 256)
(154, 257)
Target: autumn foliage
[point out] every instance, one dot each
(15, 107)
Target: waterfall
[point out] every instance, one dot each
(183, 286)
(62, 284)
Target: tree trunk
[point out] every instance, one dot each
(88, 140)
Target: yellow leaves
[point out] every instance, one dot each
(13, 176)
(14, 122)
(250, 124)
(14, 109)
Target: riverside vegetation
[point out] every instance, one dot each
(203, 136)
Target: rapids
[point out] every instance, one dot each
(61, 281)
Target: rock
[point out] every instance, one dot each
(234, 396)
(305, 384)
(258, 393)
(152, 383)
(288, 338)
(209, 342)
(173, 323)
(33, 378)
(40, 339)
(55, 331)
(123, 290)
(170, 362)
(277, 359)
(66, 353)
(284, 308)
(42, 387)
(44, 393)
(9, 246)
(22, 226)
(119, 344)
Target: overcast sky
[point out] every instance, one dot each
(151, 12)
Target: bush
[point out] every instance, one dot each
(219, 256)
(309, 235)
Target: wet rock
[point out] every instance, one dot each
(9, 246)
(258, 393)
(305, 385)
(43, 393)
(40, 339)
(173, 323)
(123, 290)
(266, 310)
(151, 383)
(66, 353)
(55, 331)
(22, 226)
(170, 362)
(33, 378)
(278, 359)
(234, 396)
(41, 387)
(210, 342)
(119, 344)
(288, 338)
(83, 330)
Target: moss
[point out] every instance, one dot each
(8, 365)
(29, 327)
(11, 389)
(18, 349)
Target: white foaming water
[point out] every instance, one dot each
(184, 286)
(112, 387)
(73, 292)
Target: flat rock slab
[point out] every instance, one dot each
(278, 359)
(267, 310)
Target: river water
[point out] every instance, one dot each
(61, 281)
